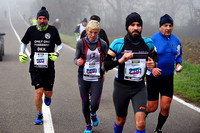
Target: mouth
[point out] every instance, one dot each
(135, 32)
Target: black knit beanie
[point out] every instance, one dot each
(84, 20)
(133, 17)
(43, 12)
(166, 19)
(95, 17)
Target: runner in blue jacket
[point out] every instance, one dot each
(160, 79)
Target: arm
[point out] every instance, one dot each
(76, 31)
(22, 57)
(78, 60)
(110, 63)
(83, 34)
(22, 47)
(59, 49)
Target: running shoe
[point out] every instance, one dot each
(88, 129)
(157, 131)
(39, 119)
(95, 120)
(47, 101)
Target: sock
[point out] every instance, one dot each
(117, 129)
(161, 121)
(138, 131)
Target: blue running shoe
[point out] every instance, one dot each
(95, 119)
(47, 101)
(39, 119)
(88, 129)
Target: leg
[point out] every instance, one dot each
(96, 91)
(47, 99)
(121, 101)
(166, 99)
(165, 105)
(48, 84)
(48, 94)
(38, 99)
(153, 94)
(139, 101)
(84, 87)
(152, 106)
(119, 124)
(140, 121)
(38, 104)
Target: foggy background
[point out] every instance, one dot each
(186, 14)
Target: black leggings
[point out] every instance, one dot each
(96, 91)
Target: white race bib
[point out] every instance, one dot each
(134, 69)
(41, 60)
(91, 70)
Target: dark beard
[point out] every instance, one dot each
(135, 38)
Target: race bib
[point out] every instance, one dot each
(41, 60)
(92, 69)
(134, 69)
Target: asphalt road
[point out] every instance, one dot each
(17, 110)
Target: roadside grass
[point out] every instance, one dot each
(186, 83)
(69, 40)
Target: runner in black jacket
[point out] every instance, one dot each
(43, 38)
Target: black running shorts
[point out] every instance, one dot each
(163, 85)
(44, 79)
(122, 95)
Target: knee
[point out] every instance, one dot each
(48, 93)
(120, 121)
(140, 125)
(165, 109)
(94, 106)
(39, 92)
(152, 107)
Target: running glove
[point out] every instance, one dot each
(23, 58)
(53, 56)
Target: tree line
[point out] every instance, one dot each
(186, 14)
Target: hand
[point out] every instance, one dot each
(179, 68)
(53, 56)
(23, 58)
(80, 62)
(150, 63)
(125, 57)
(156, 72)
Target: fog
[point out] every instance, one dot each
(186, 13)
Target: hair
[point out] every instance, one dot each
(93, 24)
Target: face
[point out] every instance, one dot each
(84, 24)
(166, 29)
(135, 28)
(92, 34)
(42, 21)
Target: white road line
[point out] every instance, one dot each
(187, 104)
(47, 121)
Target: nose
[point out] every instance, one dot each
(168, 27)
